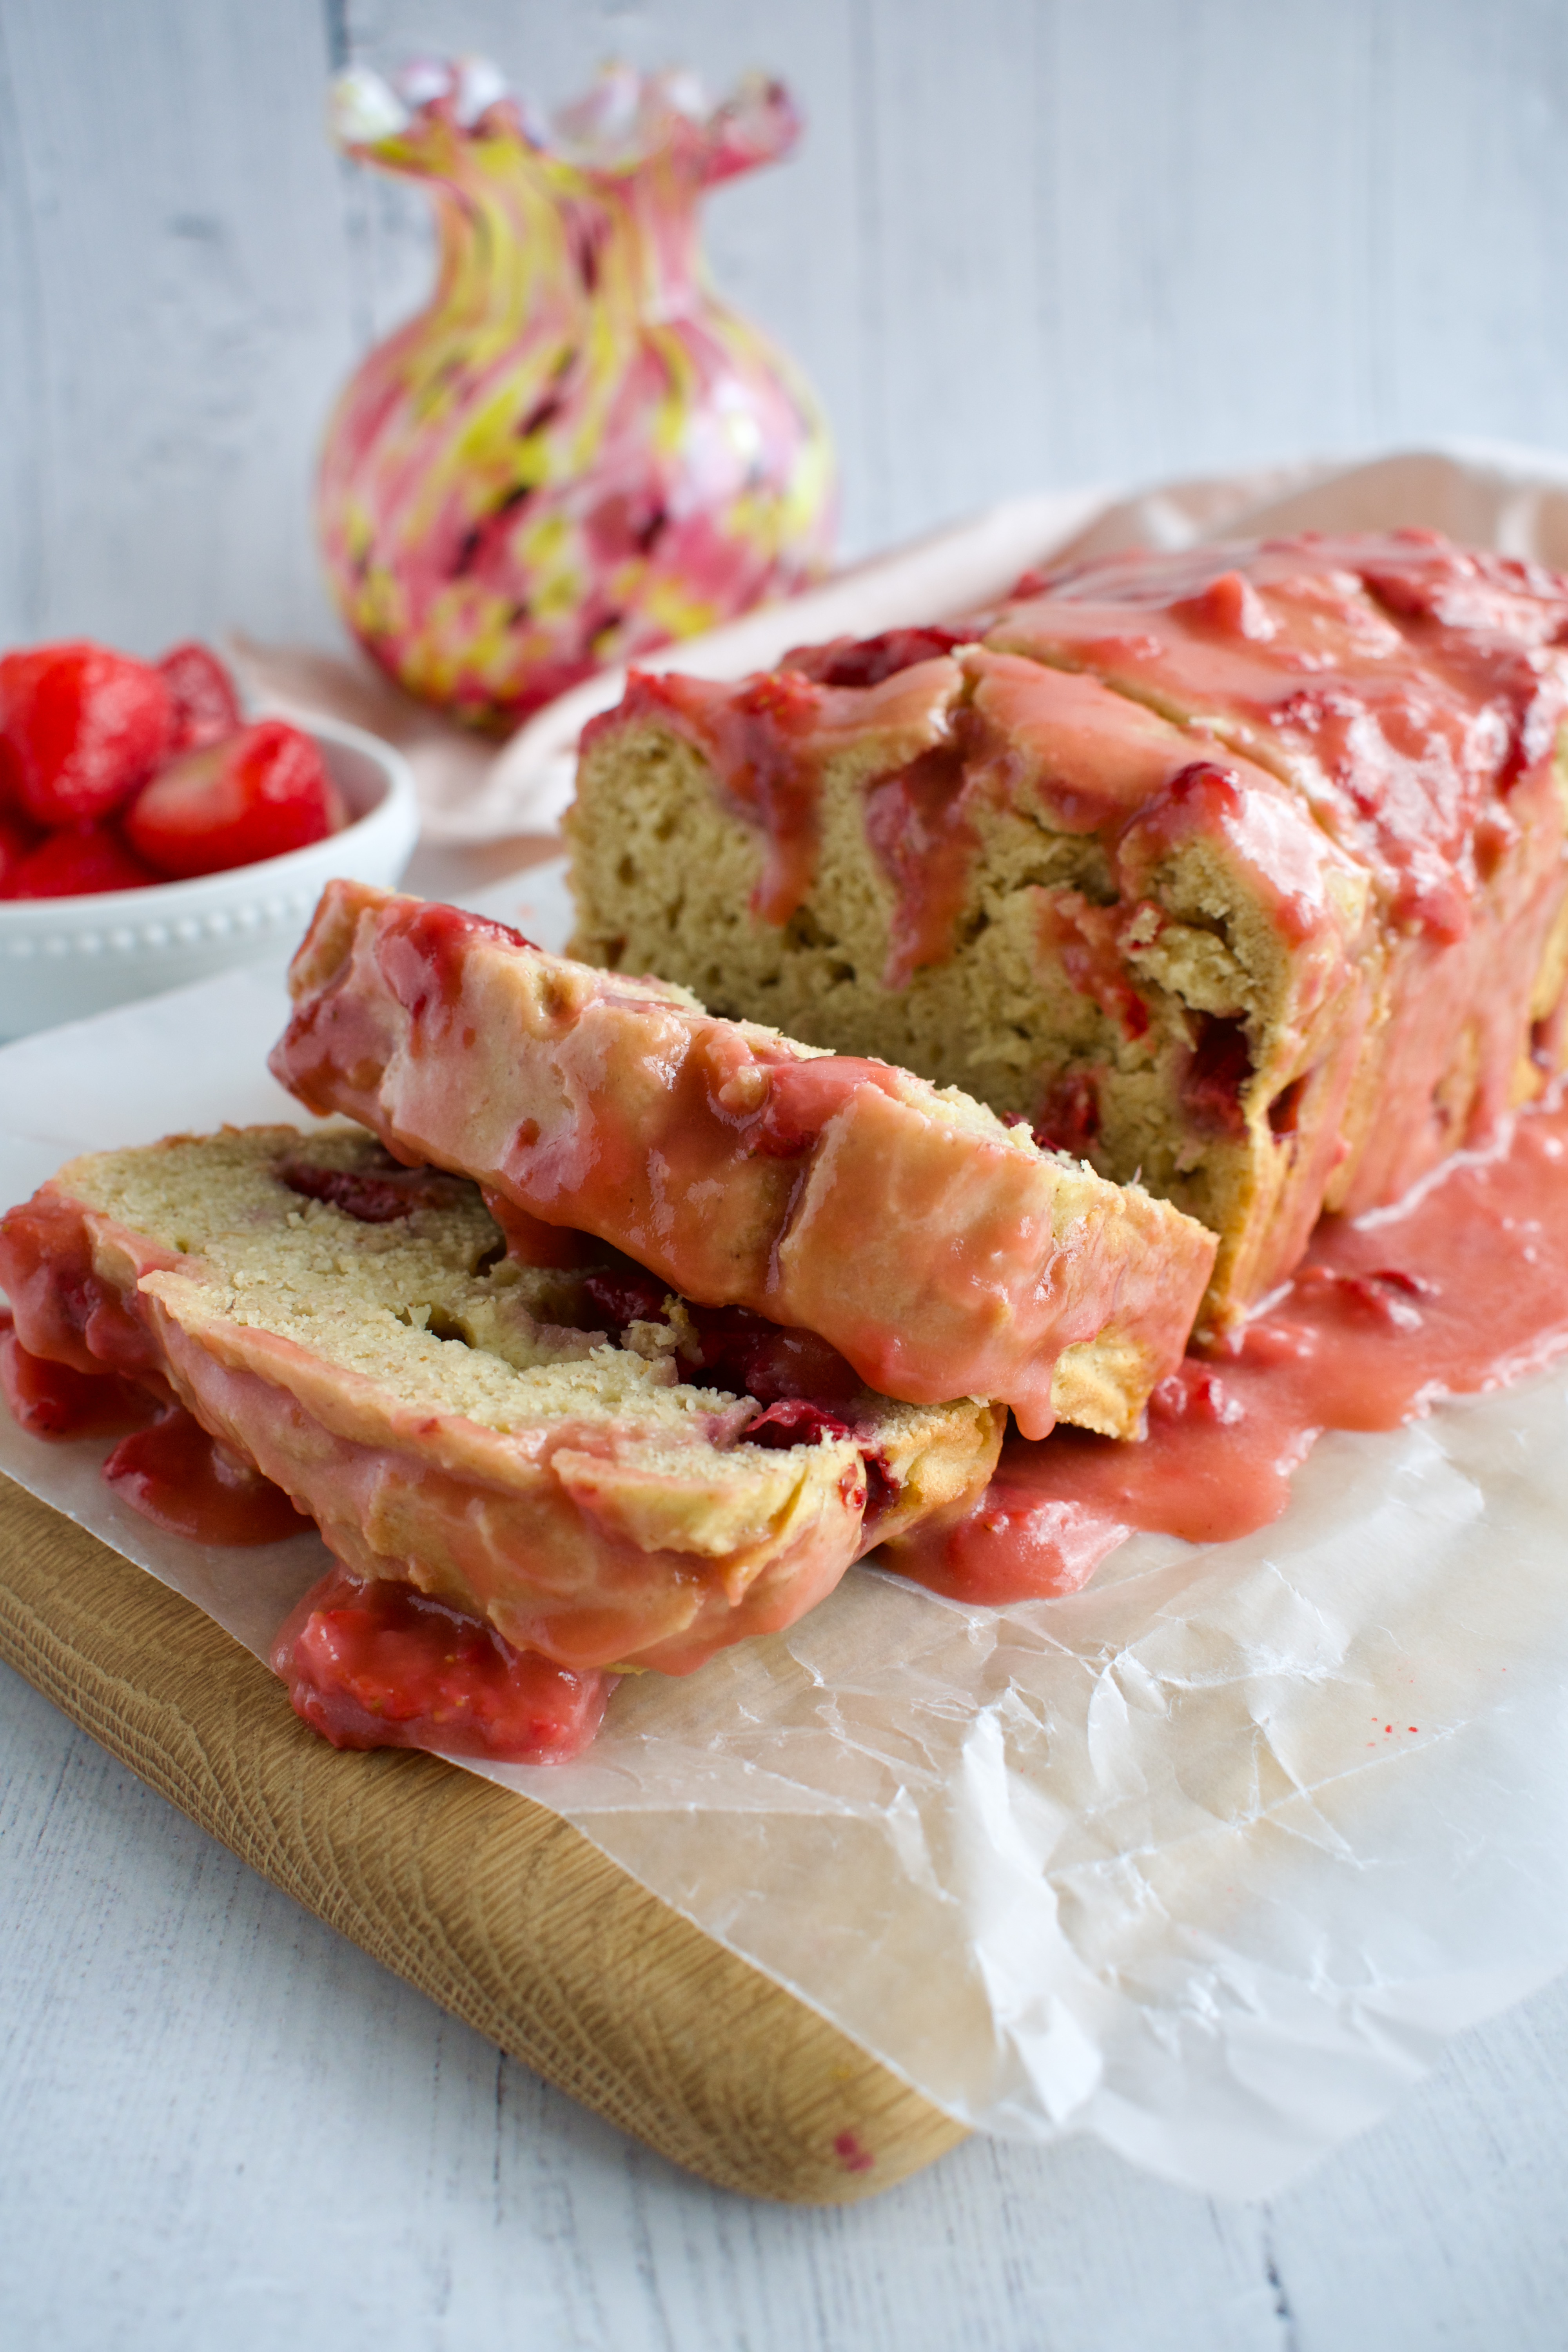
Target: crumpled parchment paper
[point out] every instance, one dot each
(1207, 1860)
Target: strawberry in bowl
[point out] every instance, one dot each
(149, 834)
(117, 773)
(253, 795)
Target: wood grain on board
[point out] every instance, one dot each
(495, 1907)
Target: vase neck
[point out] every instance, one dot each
(524, 235)
(598, 209)
(506, 248)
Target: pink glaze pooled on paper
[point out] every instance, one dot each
(379, 1665)
(1462, 1289)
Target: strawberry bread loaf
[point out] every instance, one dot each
(937, 1249)
(1240, 870)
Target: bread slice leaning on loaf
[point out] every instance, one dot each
(457, 1422)
(941, 1252)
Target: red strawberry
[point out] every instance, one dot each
(207, 706)
(84, 727)
(262, 791)
(77, 862)
(10, 780)
(15, 840)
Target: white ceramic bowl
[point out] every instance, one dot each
(62, 959)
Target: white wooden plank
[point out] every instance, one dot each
(1036, 243)
(22, 407)
(181, 218)
(1208, 263)
(1471, 190)
(1456, 2204)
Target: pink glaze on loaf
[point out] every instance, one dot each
(770, 738)
(1410, 695)
(941, 1253)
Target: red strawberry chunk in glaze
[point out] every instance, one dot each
(1220, 1068)
(51, 1399)
(729, 1347)
(867, 661)
(624, 1293)
(84, 727)
(383, 1666)
(374, 1196)
(795, 1421)
(261, 792)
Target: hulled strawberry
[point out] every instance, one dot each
(18, 838)
(260, 792)
(205, 706)
(83, 727)
(76, 863)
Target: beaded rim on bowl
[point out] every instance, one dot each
(128, 939)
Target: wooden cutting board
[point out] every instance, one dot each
(499, 1910)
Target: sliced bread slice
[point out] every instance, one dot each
(480, 1430)
(940, 1250)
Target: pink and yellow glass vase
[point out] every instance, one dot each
(576, 452)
